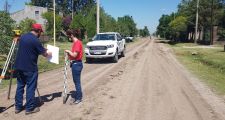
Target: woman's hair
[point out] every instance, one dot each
(75, 33)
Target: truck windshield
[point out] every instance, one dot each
(104, 37)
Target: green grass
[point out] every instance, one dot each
(44, 65)
(208, 64)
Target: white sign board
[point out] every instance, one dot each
(55, 54)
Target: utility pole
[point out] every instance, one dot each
(6, 6)
(54, 21)
(164, 27)
(72, 8)
(211, 24)
(196, 23)
(98, 16)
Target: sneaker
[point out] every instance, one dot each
(32, 111)
(18, 111)
(72, 100)
(75, 102)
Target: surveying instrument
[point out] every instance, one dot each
(11, 60)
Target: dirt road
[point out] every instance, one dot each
(147, 84)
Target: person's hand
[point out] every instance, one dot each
(67, 51)
(49, 54)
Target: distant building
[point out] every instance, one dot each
(31, 12)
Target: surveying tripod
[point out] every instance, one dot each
(11, 60)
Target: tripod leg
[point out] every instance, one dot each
(7, 61)
(39, 96)
(13, 55)
(10, 85)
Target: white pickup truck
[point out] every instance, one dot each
(105, 45)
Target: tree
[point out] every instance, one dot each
(85, 20)
(6, 25)
(49, 27)
(25, 25)
(210, 14)
(221, 31)
(81, 9)
(163, 28)
(144, 32)
(107, 22)
(66, 22)
(179, 26)
(127, 26)
(64, 6)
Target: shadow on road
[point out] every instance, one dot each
(44, 99)
(3, 109)
(47, 98)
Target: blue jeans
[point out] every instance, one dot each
(28, 79)
(76, 72)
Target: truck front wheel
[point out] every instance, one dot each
(123, 52)
(88, 60)
(115, 58)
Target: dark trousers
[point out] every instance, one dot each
(28, 79)
(76, 72)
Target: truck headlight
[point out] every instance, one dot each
(110, 46)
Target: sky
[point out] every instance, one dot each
(144, 12)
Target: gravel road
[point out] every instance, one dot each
(148, 84)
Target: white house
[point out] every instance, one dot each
(31, 12)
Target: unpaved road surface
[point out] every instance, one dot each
(147, 84)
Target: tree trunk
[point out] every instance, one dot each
(215, 36)
(204, 33)
(201, 33)
(86, 36)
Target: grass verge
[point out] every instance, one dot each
(206, 63)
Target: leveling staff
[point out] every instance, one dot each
(27, 71)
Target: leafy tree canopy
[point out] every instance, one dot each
(25, 25)
(6, 25)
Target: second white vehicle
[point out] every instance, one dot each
(105, 45)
